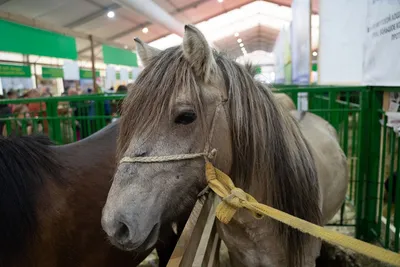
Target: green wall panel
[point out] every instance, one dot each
(22, 39)
(118, 56)
(15, 71)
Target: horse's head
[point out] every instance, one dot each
(176, 107)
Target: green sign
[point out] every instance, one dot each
(52, 73)
(87, 74)
(118, 56)
(315, 67)
(27, 40)
(130, 75)
(118, 76)
(15, 71)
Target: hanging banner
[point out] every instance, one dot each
(381, 47)
(9, 83)
(279, 67)
(124, 76)
(15, 71)
(71, 70)
(52, 73)
(342, 33)
(87, 74)
(287, 55)
(135, 73)
(301, 41)
(110, 76)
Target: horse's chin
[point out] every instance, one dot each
(146, 245)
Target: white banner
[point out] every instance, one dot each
(381, 64)
(135, 73)
(9, 83)
(279, 49)
(71, 70)
(301, 41)
(342, 34)
(124, 75)
(110, 77)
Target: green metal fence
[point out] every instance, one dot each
(343, 108)
(372, 149)
(63, 119)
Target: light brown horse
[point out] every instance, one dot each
(191, 100)
(51, 199)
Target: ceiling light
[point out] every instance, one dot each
(239, 40)
(145, 30)
(236, 34)
(315, 53)
(241, 44)
(110, 14)
(220, 1)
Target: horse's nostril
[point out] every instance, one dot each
(122, 234)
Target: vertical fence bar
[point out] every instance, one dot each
(362, 168)
(372, 176)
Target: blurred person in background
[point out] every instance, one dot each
(38, 110)
(12, 95)
(5, 112)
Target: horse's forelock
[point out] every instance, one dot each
(153, 95)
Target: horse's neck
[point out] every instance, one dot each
(96, 150)
(251, 242)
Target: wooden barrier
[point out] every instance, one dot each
(199, 243)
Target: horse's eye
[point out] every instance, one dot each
(186, 117)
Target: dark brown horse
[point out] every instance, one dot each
(51, 199)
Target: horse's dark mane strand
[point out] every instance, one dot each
(25, 163)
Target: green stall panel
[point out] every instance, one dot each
(118, 56)
(87, 74)
(27, 40)
(15, 71)
(52, 73)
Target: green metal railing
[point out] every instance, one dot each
(372, 149)
(343, 108)
(63, 119)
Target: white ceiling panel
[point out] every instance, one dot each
(67, 12)
(31, 8)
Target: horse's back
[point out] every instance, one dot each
(285, 101)
(329, 158)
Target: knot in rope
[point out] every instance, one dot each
(233, 198)
(211, 155)
(236, 198)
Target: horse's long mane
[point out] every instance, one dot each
(25, 163)
(269, 149)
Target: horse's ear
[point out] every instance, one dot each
(146, 52)
(197, 51)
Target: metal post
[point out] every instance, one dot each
(93, 59)
(36, 75)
